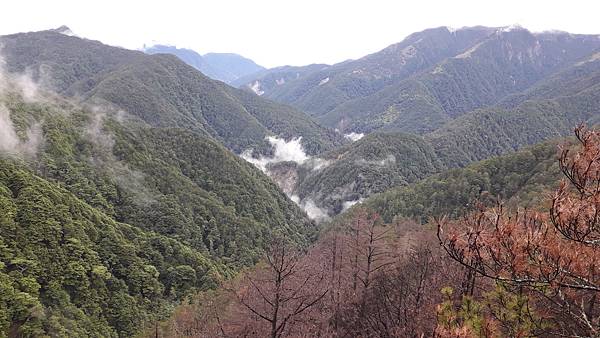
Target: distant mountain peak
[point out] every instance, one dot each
(226, 67)
(453, 29)
(65, 30)
(511, 28)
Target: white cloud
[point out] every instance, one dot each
(28, 88)
(318, 163)
(291, 151)
(10, 142)
(348, 204)
(255, 87)
(95, 133)
(354, 136)
(288, 151)
(284, 151)
(22, 83)
(312, 210)
(8, 137)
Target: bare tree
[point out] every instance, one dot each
(286, 288)
(370, 252)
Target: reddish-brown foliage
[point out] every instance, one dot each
(361, 279)
(553, 256)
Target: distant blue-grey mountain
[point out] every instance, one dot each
(226, 67)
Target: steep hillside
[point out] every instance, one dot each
(321, 91)
(503, 63)
(107, 222)
(266, 80)
(370, 165)
(231, 66)
(160, 89)
(520, 178)
(583, 76)
(380, 161)
(135, 172)
(67, 269)
(550, 109)
(433, 77)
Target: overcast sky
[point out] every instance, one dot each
(278, 32)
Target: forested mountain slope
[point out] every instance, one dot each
(380, 161)
(373, 164)
(266, 80)
(123, 198)
(550, 108)
(323, 90)
(341, 178)
(582, 76)
(501, 64)
(68, 269)
(435, 76)
(108, 222)
(521, 179)
(159, 89)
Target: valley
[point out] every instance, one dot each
(435, 187)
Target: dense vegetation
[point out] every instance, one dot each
(472, 94)
(365, 76)
(68, 269)
(107, 223)
(159, 89)
(119, 203)
(544, 261)
(547, 110)
(503, 63)
(384, 161)
(373, 164)
(520, 178)
(500, 272)
(434, 76)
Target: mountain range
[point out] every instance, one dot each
(159, 89)
(454, 96)
(430, 78)
(107, 222)
(226, 67)
(131, 180)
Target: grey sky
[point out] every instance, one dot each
(278, 32)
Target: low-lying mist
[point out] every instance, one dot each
(284, 151)
(286, 176)
(354, 136)
(291, 151)
(10, 142)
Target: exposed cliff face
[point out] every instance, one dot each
(285, 174)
